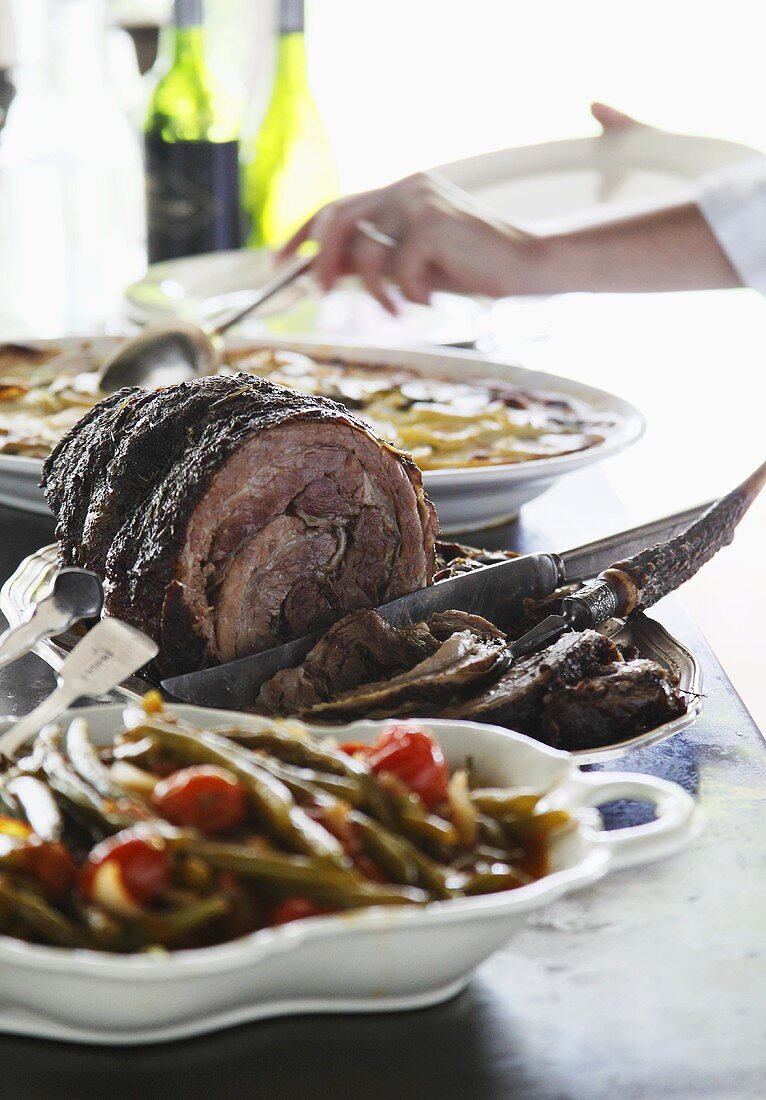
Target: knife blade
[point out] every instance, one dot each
(496, 591)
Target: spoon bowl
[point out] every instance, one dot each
(176, 351)
(162, 355)
(78, 592)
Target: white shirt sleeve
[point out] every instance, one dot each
(733, 202)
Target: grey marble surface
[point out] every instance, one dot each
(651, 984)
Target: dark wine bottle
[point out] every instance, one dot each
(192, 150)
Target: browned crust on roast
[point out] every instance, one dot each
(186, 433)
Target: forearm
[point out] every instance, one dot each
(668, 249)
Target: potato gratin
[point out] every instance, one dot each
(443, 424)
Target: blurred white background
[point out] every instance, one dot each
(406, 84)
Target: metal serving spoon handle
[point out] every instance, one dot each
(76, 595)
(99, 662)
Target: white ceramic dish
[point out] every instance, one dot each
(559, 184)
(465, 499)
(200, 287)
(362, 962)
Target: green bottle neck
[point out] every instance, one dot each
(188, 48)
(292, 65)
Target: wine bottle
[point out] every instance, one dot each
(192, 149)
(290, 170)
(7, 61)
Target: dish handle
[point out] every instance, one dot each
(676, 821)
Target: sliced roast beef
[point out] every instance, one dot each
(624, 700)
(360, 649)
(363, 649)
(462, 664)
(516, 699)
(230, 515)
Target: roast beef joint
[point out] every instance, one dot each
(228, 515)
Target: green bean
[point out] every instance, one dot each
(298, 875)
(490, 830)
(75, 792)
(104, 930)
(87, 763)
(386, 850)
(9, 806)
(269, 796)
(134, 751)
(400, 858)
(496, 802)
(493, 881)
(307, 781)
(39, 917)
(170, 927)
(309, 752)
(538, 826)
(32, 763)
(38, 805)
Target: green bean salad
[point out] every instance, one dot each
(178, 837)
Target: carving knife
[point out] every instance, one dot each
(495, 591)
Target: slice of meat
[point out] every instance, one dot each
(228, 515)
(444, 623)
(359, 649)
(461, 664)
(516, 699)
(624, 700)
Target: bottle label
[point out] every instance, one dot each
(192, 197)
(291, 16)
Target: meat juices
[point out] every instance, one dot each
(228, 515)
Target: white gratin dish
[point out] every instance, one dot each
(366, 961)
(466, 499)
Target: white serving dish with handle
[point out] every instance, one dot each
(366, 961)
(466, 499)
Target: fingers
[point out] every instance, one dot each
(370, 260)
(610, 118)
(335, 227)
(305, 233)
(411, 265)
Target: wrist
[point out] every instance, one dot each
(528, 265)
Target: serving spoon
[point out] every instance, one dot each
(76, 594)
(175, 351)
(100, 661)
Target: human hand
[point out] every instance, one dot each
(609, 118)
(444, 241)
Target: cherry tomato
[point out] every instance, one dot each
(140, 866)
(354, 748)
(340, 827)
(52, 866)
(207, 798)
(414, 757)
(294, 909)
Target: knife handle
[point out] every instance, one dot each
(642, 580)
(612, 595)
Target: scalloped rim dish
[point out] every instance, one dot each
(363, 962)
